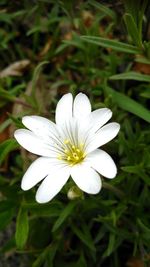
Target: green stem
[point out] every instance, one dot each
(115, 190)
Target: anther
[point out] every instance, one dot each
(59, 157)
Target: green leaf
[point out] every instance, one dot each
(40, 259)
(8, 246)
(22, 228)
(143, 227)
(145, 93)
(84, 235)
(113, 44)
(63, 215)
(6, 147)
(131, 75)
(52, 209)
(132, 29)
(75, 41)
(137, 9)
(131, 169)
(138, 170)
(6, 217)
(111, 245)
(128, 104)
(6, 205)
(142, 60)
(104, 9)
(51, 253)
(47, 254)
(4, 125)
(36, 75)
(5, 97)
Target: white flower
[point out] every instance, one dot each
(68, 148)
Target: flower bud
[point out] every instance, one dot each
(74, 192)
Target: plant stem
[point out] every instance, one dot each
(115, 190)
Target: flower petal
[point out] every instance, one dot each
(102, 163)
(103, 136)
(86, 178)
(52, 184)
(33, 143)
(64, 109)
(40, 126)
(93, 122)
(81, 107)
(99, 117)
(37, 171)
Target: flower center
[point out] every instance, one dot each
(72, 154)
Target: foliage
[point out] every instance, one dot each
(103, 50)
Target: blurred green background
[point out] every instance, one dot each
(100, 48)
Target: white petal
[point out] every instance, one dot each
(52, 184)
(103, 136)
(102, 163)
(81, 107)
(86, 178)
(89, 125)
(40, 126)
(32, 143)
(64, 109)
(99, 117)
(37, 171)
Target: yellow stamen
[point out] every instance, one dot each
(59, 157)
(81, 145)
(72, 154)
(66, 141)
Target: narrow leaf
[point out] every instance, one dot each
(113, 44)
(84, 236)
(6, 147)
(131, 75)
(111, 245)
(5, 218)
(132, 29)
(104, 9)
(143, 227)
(130, 105)
(63, 215)
(22, 228)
